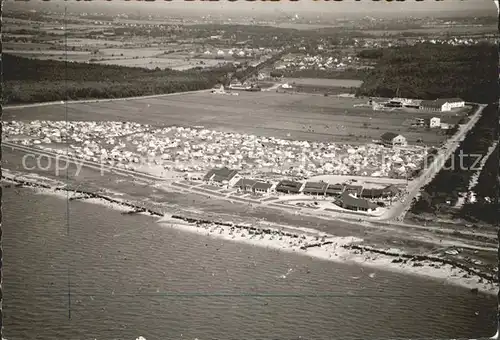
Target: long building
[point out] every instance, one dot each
(250, 185)
(442, 105)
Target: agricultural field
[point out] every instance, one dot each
(282, 115)
(93, 42)
(111, 52)
(162, 63)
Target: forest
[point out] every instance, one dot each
(31, 80)
(430, 71)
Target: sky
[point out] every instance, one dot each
(334, 8)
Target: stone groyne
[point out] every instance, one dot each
(398, 257)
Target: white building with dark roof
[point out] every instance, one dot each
(393, 139)
(442, 105)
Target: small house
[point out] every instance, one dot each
(391, 139)
(435, 122)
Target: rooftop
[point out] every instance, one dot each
(221, 174)
(356, 202)
(245, 182)
(389, 136)
(439, 102)
(262, 185)
(316, 185)
(288, 183)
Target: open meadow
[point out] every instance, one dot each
(161, 63)
(282, 115)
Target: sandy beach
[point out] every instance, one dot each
(337, 253)
(311, 243)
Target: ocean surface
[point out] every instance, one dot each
(97, 274)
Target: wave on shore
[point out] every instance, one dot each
(318, 245)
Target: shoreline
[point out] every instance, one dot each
(302, 241)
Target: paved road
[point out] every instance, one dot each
(399, 209)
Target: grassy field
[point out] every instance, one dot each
(282, 115)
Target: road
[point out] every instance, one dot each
(399, 209)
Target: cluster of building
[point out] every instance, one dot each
(437, 105)
(302, 62)
(410, 41)
(347, 196)
(247, 85)
(44, 132)
(434, 122)
(238, 52)
(195, 150)
(453, 41)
